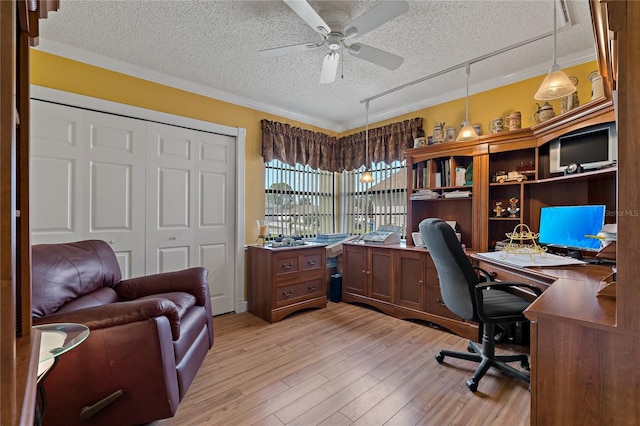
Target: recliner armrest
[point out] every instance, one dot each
(114, 314)
(192, 281)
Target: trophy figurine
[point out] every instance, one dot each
(513, 208)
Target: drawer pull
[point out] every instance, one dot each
(289, 266)
(311, 262)
(420, 282)
(311, 287)
(287, 293)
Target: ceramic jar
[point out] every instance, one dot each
(543, 113)
(496, 125)
(514, 121)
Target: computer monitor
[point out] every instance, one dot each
(566, 227)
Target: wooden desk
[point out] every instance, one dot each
(584, 369)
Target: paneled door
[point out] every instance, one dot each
(191, 206)
(56, 172)
(87, 177)
(113, 185)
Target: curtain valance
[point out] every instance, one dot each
(293, 145)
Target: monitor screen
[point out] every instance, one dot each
(566, 226)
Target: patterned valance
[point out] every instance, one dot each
(293, 145)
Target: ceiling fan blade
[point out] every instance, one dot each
(376, 56)
(285, 50)
(378, 15)
(329, 68)
(309, 15)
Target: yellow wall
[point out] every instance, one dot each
(60, 73)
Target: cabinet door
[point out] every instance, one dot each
(353, 271)
(380, 273)
(410, 279)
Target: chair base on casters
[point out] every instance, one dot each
(487, 358)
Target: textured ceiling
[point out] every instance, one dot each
(210, 47)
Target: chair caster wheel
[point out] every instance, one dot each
(470, 349)
(525, 365)
(473, 386)
(440, 358)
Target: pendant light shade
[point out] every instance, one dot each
(366, 177)
(467, 133)
(556, 84)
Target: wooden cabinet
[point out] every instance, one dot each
(285, 280)
(368, 272)
(399, 281)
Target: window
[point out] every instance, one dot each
(298, 200)
(306, 202)
(384, 202)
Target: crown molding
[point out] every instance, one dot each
(91, 58)
(101, 61)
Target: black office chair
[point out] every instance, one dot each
(467, 296)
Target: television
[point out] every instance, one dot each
(591, 148)
(567, 226)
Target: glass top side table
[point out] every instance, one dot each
(55, 340)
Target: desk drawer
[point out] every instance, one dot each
(298, 292)
(311, 261)
(435, 304)
(286, 264)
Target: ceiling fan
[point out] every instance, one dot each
(336, 30)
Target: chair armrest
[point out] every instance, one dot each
(483, 273)
(192, 281)
(505, 284)
(120, 313)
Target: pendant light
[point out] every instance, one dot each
(467, 133)
(366, 177)
(556, 84)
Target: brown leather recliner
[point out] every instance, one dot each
(148, 335)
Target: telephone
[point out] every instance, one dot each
(386, 234)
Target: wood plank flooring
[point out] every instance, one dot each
(344, 365)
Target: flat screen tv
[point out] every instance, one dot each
(591, 148)
(566, 227)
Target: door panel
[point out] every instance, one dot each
(55, 173)
(191, 221)
(115, 186)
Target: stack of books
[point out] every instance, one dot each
(457, 194)
(424, 194)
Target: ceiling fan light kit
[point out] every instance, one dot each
(556, 84)
(335, 28)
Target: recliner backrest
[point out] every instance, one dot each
(455, 272)
(61, 273)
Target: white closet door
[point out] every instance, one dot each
(115, 187)
(171, 191)
(56, 171)
(191, 206)
(215, 225)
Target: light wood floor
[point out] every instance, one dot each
(340, 366)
